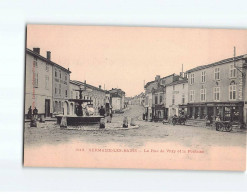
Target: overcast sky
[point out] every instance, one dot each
(124, 57)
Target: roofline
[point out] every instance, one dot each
(29, 51)
(148, 83)
(227, 60)
(178, 82)
(78, 83)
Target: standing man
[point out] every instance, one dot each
(102, 111)
(35, 113)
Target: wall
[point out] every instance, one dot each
(44, 89)
(116, 103)
(178, 94)
(60, 86)
(210, 83)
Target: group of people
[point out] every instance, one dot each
(33, 113)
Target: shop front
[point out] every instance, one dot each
(228, 111)
(159, 112)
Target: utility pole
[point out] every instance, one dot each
(243, 75)
(234, 62)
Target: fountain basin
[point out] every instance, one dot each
(79, 120)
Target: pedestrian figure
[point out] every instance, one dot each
(143, 116)
(125, 122)
(102, 111)
(29, 113)
(217, 118)
(35, 113)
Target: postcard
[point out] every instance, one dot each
(135, 97)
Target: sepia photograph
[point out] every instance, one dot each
(135, 97)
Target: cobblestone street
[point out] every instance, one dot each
(50, 133)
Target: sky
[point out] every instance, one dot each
(128, 57)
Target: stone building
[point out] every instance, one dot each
(39, 83)
(155, 97)
(117, 99)
(177, 97)
(218, 89)
(61, 78)
(97, 95)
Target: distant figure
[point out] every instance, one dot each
(217, 118)
(143, 116)
(29, 113)
(102, 111)
(79, 110)
(35, 113)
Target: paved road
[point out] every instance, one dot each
(50, 133)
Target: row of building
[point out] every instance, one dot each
(48, 88)
(214, 89)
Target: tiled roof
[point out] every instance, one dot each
(215, 64)
(29, 51)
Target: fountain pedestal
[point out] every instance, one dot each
(79, 120)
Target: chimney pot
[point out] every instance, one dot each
(48, 55)
(36, 50)
(100, 86)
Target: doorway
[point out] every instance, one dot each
(47, 107)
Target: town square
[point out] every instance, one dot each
(107, 101)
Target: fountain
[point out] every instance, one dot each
(81, 118)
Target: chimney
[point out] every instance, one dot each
(36, 50)
(48, 55)
(100, 86)
(182, 74)
(157, 78)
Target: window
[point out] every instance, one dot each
(216, 93)
(192, 95)
(36, 80)
(233, 71)
(203, 94)
(232, 90)
(217, 73)
(183, 99)
(59, 89)
(203, 76)
(46, 82)
(47, 67)
(65, 77)
(192, 79)
(161, 98)
(55, 90)
(156, 99)
(60, 74)
(173, 99)
(55, 72)
(66, 93)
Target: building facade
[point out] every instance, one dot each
(177, 97)
(97, 95)
(39, 83)
(117, 99)
(61, 95)
(218, 89)
(155, 97)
